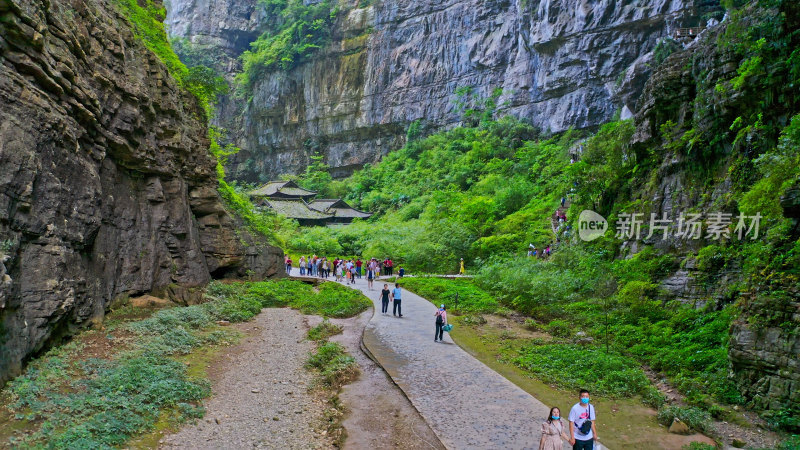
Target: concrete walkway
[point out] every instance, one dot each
(468, 405)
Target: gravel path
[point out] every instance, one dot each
(467, 404)
(261, 395)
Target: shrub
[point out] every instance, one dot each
(560, 328)
(575, 367)
(471, 298)
(335, 366)
(693, 417)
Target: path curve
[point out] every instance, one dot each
(467, 404)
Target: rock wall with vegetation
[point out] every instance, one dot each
(716, 131)
(108, 186)
(347, 78)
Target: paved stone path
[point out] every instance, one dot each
(467, 404)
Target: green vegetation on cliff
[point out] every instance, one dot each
(148, 25)
(296, 31)
(484, 192)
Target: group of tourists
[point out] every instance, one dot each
(347, 270)
(582, 426)
(534, 252)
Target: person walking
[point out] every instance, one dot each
(397, 310)
(582, 420)
(358, 267)
(385, 299)
(441, 321)
(370, 275)
(288, 265)
(302, 265)
(553, 431)
(391, 266)
(337, 273)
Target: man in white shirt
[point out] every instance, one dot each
(582, 437)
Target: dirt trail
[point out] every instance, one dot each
(261, 396)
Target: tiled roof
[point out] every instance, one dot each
(350, 212)
(289, 188)
(296, 209)
(322, 204)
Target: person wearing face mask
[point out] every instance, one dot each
(553, 431)
(582, 428)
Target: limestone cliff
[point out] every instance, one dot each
(107, 186)
(684, 91)
(560, 64)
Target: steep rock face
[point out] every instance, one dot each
(764, 348)
(560, 64)
(108, 188)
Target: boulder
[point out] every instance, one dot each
(679, 427)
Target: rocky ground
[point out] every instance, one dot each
(262, 396)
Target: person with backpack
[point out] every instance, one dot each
(553, 431)
(385, 299)
(396, 309)
(582, 419)
(441, 321)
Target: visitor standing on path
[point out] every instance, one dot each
(461, 269)
(441, 321)
(582, 421)
(385, 299)
(370, 275)
(288, 265)
(358, 267)
(553, 431)
(396, 293)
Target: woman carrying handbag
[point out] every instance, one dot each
(553, 431)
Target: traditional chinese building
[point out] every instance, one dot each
(298, 209)
(342, 212)
(288, 190)
(288, 199)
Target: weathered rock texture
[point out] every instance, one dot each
(108, 188)
(560, 63)
(764, 348)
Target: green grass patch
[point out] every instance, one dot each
(240, 301)
(324, 330)
(335, 367)
(471, 298)
(576, 367)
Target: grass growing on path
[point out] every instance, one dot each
(334, 368)
(135, 375)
